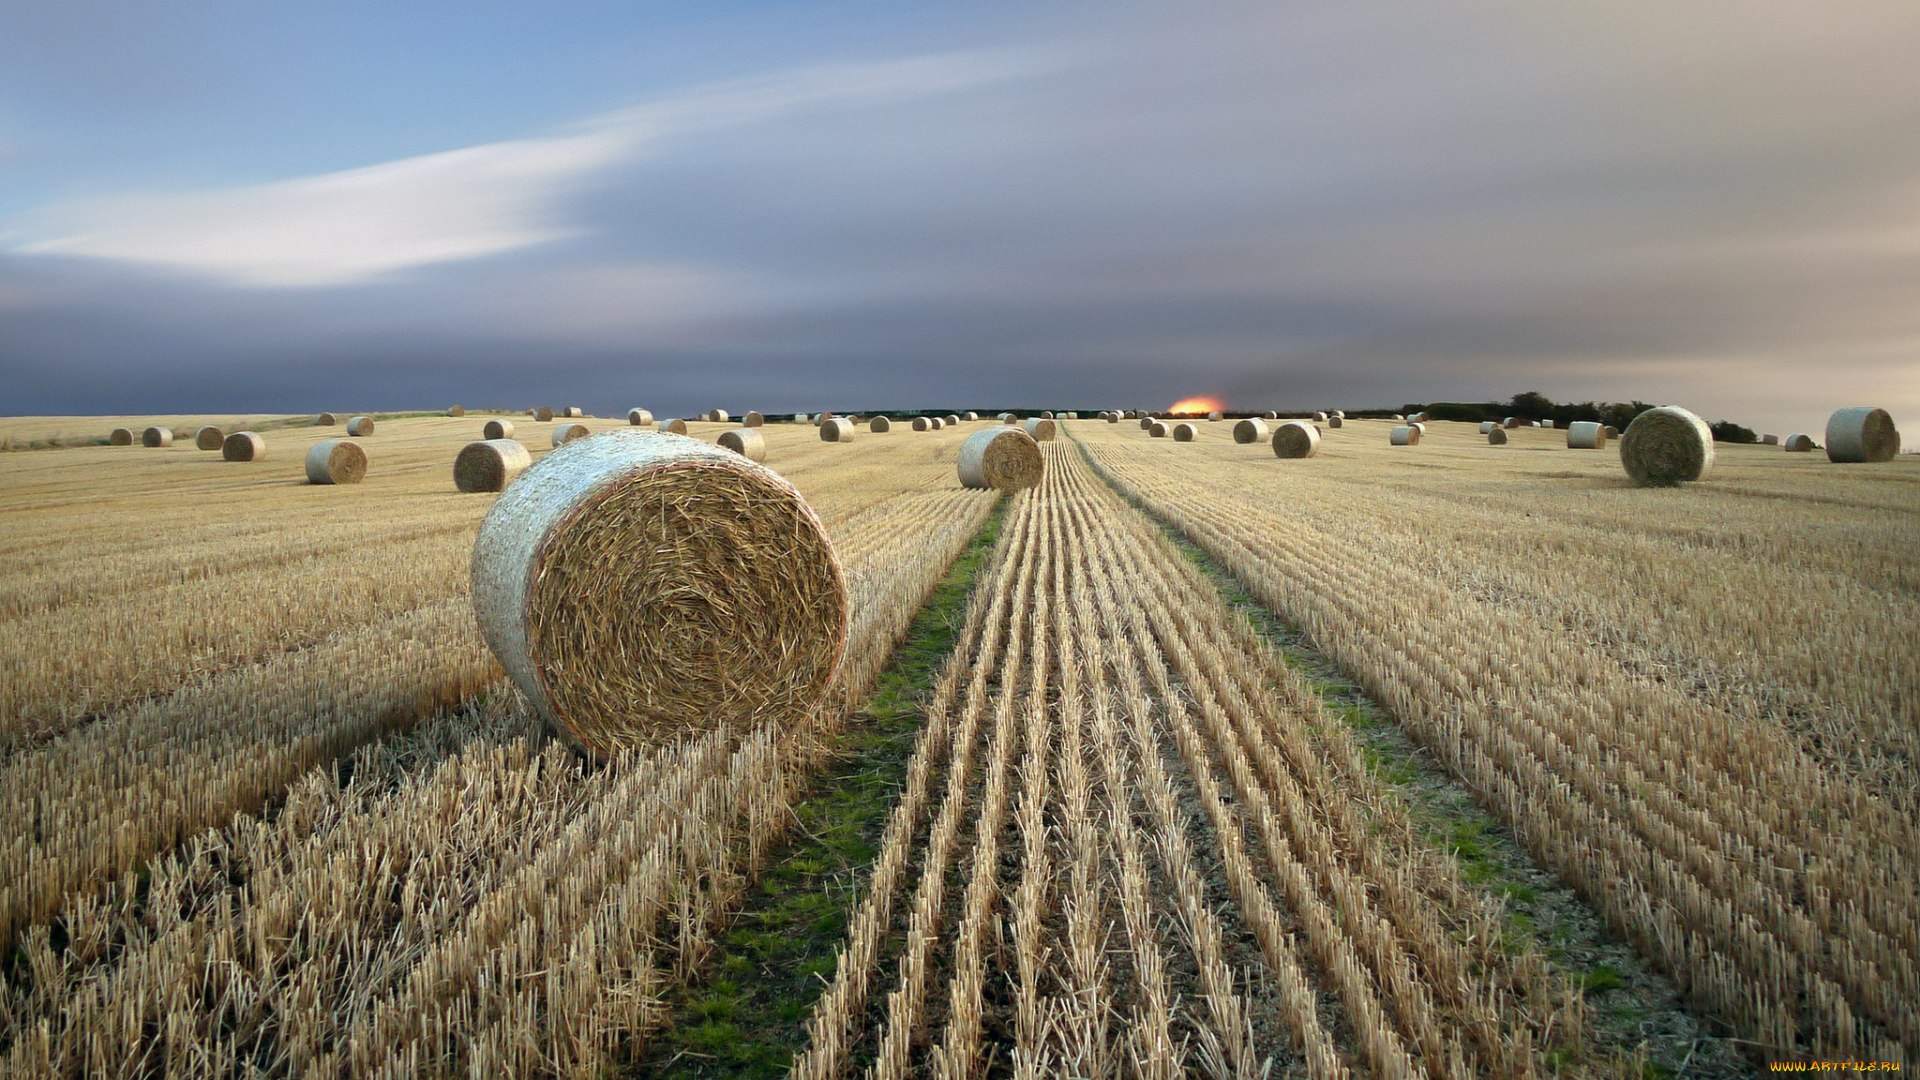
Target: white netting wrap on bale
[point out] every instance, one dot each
(489, 465)
(1862, 434)
(1250, 431)
(1041, 429)
(243, 446)
(1586, 435)
(639, 417)
(336, 461)
(1000, 457)
(1798, 444)
(1666, 446)
(497, 429)
(360, 426)
(156, 437)
(1404, 435)
(839, 429)
(746, 441)
(640, 588)
(1295, 439)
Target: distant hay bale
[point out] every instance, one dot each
(1009, 418)
(497, 429)
(1335, 420)
(1798, 444)
(1000, 457)
(1113, 417)
(1404, 435)
(970, 416)
(1295, 439)
(243, 446)
(209, 438)
(639, 417)
(489, 465)
(1158, 430)
(753, 419)
(1040, 429)
(746, 441)
(566, 433)
(1046, 414)
(1497, 436)
(1769, 440)
(1511, 422)
(802, 418)
(1184, 432)
(838, 429)
(572, 412)
(1250, 431)
(939, 424)
(1400, 417)
(1666, 446)
(1486, 426)
(325, 419)
(360, 426)
(1216, 417)
(120, 437)
(336, 461)
(1862, 434)
(1146, 423)
(719, 416)
(1269, 415)
(921, 423)
(674, 426)
(1586, 435)
(157, 437)
(456, 410)
(949, 420)
(1319, 418)
(543, 414)
(1612, 432)
(640, 589)
(1549, 423)
(1419, 427)
(1341, 413)
(879, 423)
(822, 418)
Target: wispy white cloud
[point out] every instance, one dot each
(351, 226)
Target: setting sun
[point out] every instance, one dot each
(1197, 405)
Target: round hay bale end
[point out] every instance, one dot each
(753, 419)
(120, 437)
(1769, 440)
(543, 414)
(1862, 434)
(747, 442)
(209, 438)
(1009, 418)
(1511, 422)
(1666, 446)
(360, 426)
(325, 419)
(879, 424)
(970, 416)
(641, 588)
(572, 412)
(1185, 432)
(155, 437)
(838, 429)
(336, 461)
(822, 418)
(1586, 435)
(1496, 436)
(1336, 420)
(1113, 417)
(1419, 426)
(497, 429)
(639, 417)
(243, 446)
(1040, 429)
(1295, 439)
(566, 433)
(1158, 430)
(1000, 457)
(1319, 418)
(489, 465)
(1612, 432)
(921, 423)
(456, 411)
(1250, 431)
(1798, 444)
(1486, 426)
(1146, 423)
(949, 420)
(939, 423)
(674, 426)
(1216, 417)
(1404, 435)
(1269, 415)
(1046, 414)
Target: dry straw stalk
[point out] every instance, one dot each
(336, 461)
(243, 446)
(1666, 446)
(489, 465)
(1000, 457)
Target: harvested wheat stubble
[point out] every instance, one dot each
(1666, 446)
(120, 437)
(566, 433)
(880, 423)
(497, 429)
(336, 461)
(1404, 435)
(1296, 439)
(1862, 434)
(1185, 432)
(243, 446)
(1798, 444)
(456, 410)
(157, 436)
(747, 442)
(1158, 430)
(1250, 430)
(837, 430)
(1000, 457)
(921, 423)
(209, 438)
(753, 419)
(1041, 429)
(640, 587)
(489, 465)
(639, 417)
(360, 426)
(1586, 435)
(674, 426)
(543, 414)
(1497, 436)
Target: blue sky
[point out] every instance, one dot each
(224, 206)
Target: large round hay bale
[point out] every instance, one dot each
(1000, 457)
(1798, 444)
(1216, 416)
(572, 412)
(719, 416)
(360, 426)
(880, 424)
(1420, 427)
(209, 438)
(1341, 413)
(1486, 426)
(1185, 432)
(1112, 417)
(1612, 432)
(157, 437)
(1586, 435)
(543, 414)
(1666, 446)
(1319, 418)
(1009, 418)
(1404, 435)
(949, 420)
(566, 433)
(921, 423)
(838, 429)
(939, 423)
(1417, 418)
(1040, 429)
(1335, 420)
(1496, 436)
(1146, 423)
(1296, 439)
(1158, 430)
(1862, 434)
(497, 429)
(747, 442)
(1046, 414)
(673, 425)
(325, 419)
(641, 588)
(1269, 415)
(243, 446)
(753, 419)
(456, 410)
(802, 418)
(336, 461)
(1250, 430)
(1511, 422)
(822, 418)
(639, 417)
(120, 437)
(489, 465)
(1400, 417)
(970, 416)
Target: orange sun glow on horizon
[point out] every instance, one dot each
(1197, 405)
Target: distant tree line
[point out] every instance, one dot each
(1533, 405)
